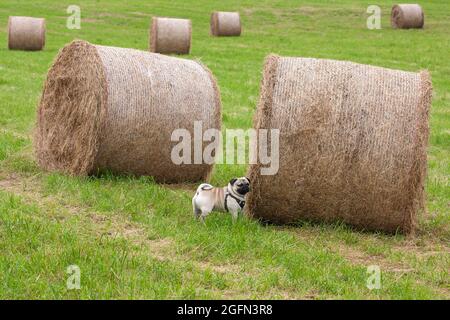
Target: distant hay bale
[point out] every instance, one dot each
(406, 16)
(26, 33)
(225, 24)
(169, 35)
(107, 108)
(353, 142)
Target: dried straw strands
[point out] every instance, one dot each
(353, 142)
(169, 35)
(26, 33)
(107, 108)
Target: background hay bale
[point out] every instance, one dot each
(26, 33)
(115, 108)
(225, 24)
(353, 144)
(169, 35)
(405, 16)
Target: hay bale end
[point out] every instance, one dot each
(406, 16)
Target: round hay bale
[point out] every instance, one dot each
(169, 35)
(225, 24)
(107, 108)
(353, 142)
(26, 33)
(406, 16)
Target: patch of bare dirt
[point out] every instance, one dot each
(306, 10)
(141, 14)
(360, 258)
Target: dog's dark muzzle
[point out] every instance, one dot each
(244, 189)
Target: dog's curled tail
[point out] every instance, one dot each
(204, 186)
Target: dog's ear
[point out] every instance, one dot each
(232, 181)
(248, 180)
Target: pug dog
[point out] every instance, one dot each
(227, 199)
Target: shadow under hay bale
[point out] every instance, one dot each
(225, 24)
(107, 108)
(170, 35)
(353, 142)
(26, 33)
(406, 16)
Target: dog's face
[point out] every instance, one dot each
(240, 185)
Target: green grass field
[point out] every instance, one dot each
(132, 238)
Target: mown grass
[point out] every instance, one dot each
(133, 238)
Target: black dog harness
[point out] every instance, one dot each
(241, 203)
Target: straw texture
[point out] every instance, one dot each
(106, 108)
(169, 35)
(406, 16)
(26, 33)
(353, 142)
(225, 24)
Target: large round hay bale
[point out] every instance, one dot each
(26, 33)
(406, 16)
(106, 108)
(353, 142)
(170, 35)
(225, 24)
